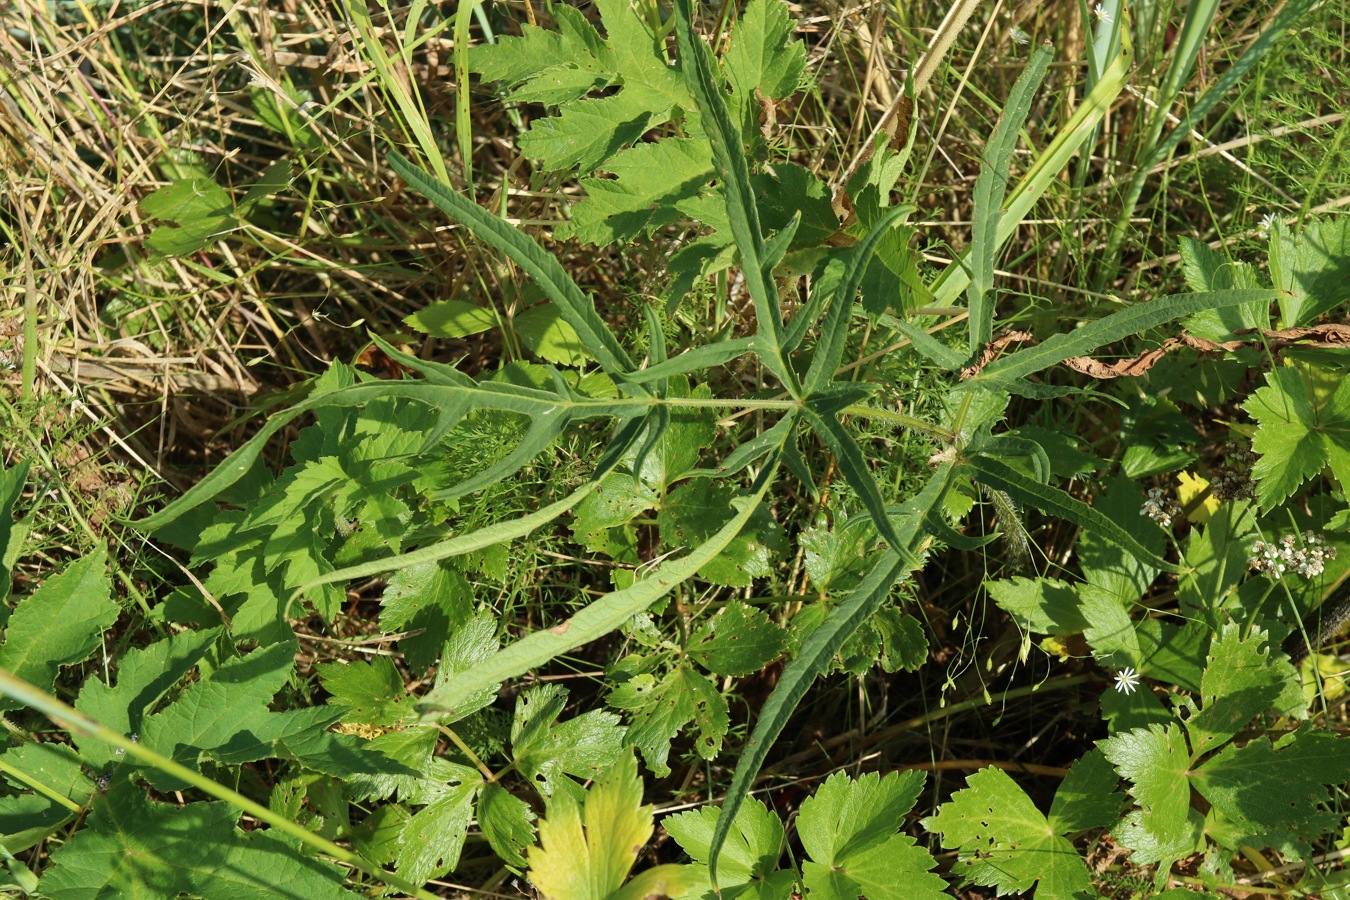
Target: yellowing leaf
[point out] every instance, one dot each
(586, 849)
(1189, 487)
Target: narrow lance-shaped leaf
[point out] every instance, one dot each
(601, 616)
(742, 211)
(833, 334)
(990, 187)
(820, 648)
(695, 360)
(1114, 327)
(542, 266)
(1052, 500)
(854, 469)
(512, 398)
(1044, 170)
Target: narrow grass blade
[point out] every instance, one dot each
(407, 104)
(1284, 21)
(543, 267)
(732, 168)
(834, 332)
(990, 188)
(598, 618)
(1114, 327)
(818, 650)
(994, 474)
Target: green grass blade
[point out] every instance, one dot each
(1114, 327)
(576, 309)
(1053, 501)
(732, 168)
(834, 332)
(819, 649)
(1280, 26)
(598, 618)
(990, 188)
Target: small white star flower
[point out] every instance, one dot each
(1127, 679)
(1267, 222)
(1019, 36)
(1101, 13)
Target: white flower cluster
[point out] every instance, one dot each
(1159, 507)
(1233, 480)
(1275, 559)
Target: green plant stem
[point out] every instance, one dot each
(78, 723)
(465, 749)
(41, 788)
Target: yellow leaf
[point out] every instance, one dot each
(1189, 487)
(585, 851)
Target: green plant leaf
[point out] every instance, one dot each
(545, 749)
(134, 847)
(433, 839)
(1081, 126)
(451, 319)
(762, 57)
(1051, 500)
(1087, 797)
(647, 183)
(576, 309)
(742, 211)
(693, 512)
(751, 855)
(834, 331)
(54, 787)
(59, 624)
(1156, 761)
(1004, 841)
(1312, 267)
(601, 616)
(1118, 325)
(548, 336)
(990, 187)
(144, 675)
(586, 849)
(12, 533)
(849, 830)
(1042, 605)
(372, 691)
(1299, 432)
(507, 823)
(1240, 682)
(225, 712)
(818, 650)
(738, 640)
(1273, 793)
(659, 709)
